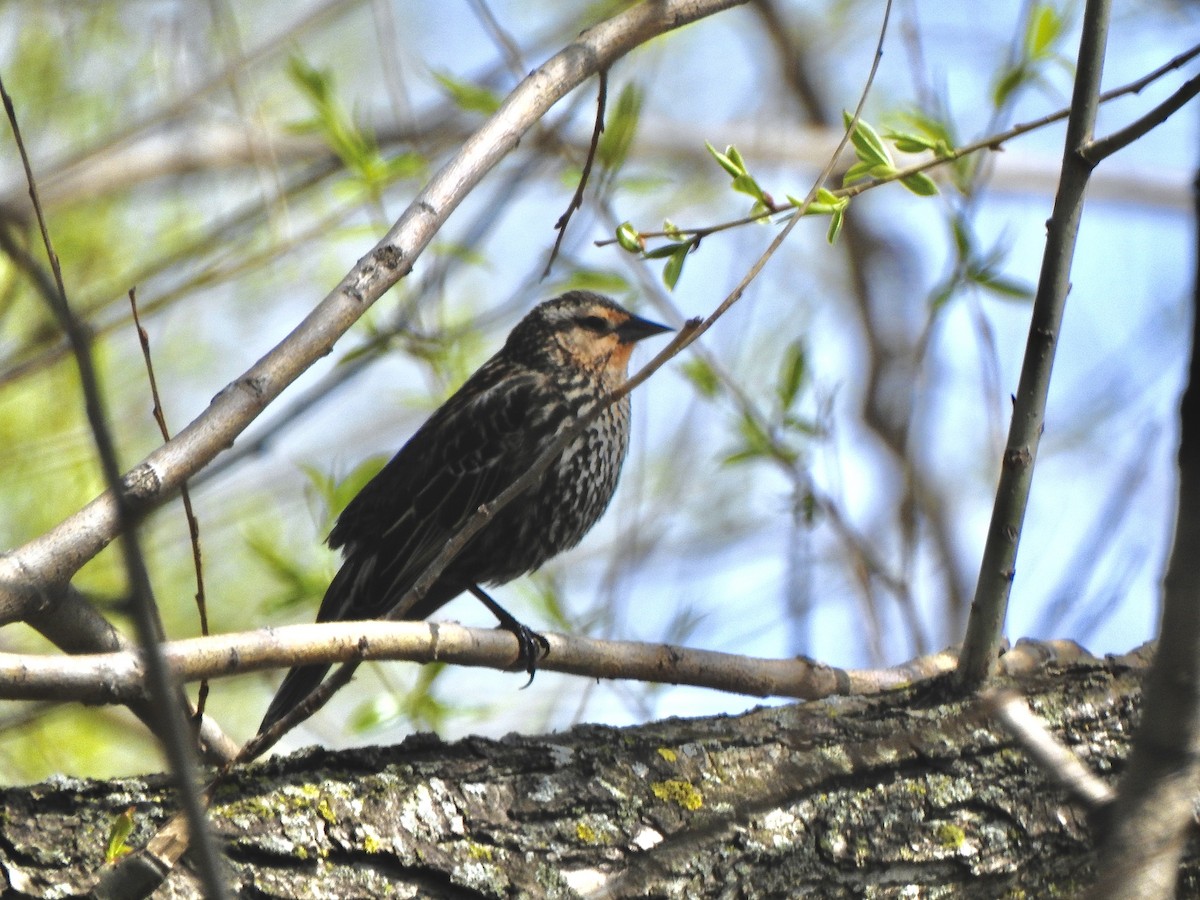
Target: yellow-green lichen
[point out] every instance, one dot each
(585, 832)
(668, 754)
(325, 811)
(479, 851)
(681, 793)
(950, 836)
(371, 844)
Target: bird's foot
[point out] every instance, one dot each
(533, 647)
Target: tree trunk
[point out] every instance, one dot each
(901, 795)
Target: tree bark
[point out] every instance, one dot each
(904, 794)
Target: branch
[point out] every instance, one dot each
(988, 142)
(1054, 758)
(998, 565)
(1100, 149)
(107, 678)
(55, 556)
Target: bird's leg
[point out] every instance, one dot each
(533, 645)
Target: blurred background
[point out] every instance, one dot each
(814, 478)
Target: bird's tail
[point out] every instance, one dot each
(297, 685)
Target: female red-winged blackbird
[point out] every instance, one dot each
(557, 364)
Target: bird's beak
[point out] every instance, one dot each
(636, 328)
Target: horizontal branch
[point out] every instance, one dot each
(118, 677)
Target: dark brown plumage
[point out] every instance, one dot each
(557, 364)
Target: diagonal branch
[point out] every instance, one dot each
(1102, 148)
(55, 556)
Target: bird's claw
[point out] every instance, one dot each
(533, 647)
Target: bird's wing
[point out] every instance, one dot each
(469, 451)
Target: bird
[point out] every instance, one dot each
(558, 363)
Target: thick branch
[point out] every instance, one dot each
(887, 796)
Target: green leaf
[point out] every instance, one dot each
(907, 142)
(702, 376)
(316, 83)
(964, 243)
(1002, 286)
(836, 221)
(856, 172)
(468, 97)
(356, 479)
(741, 456)
(757, 443)
(118, 834)
(674, 267)
(629, 238)
(599, 280)
(355, 147)
(724, 161)
(621, 127)
(799, 201)
(824, 204)
(864, 169)
(867, 143)
(1008, 83)
(806, 427)
(746, 184)
(920, 184)
(1044, 28)
(810, 507)
(664, 251)
(792, 374)
(923, 133)
(405, 165)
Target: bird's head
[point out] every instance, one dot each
(583, 330)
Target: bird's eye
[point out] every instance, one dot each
(598, 324)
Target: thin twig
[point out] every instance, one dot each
(577, 200)
(185, 495)
(988, 142)
(1102, 148)
(177, 739)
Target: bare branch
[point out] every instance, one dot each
(998, 565)
(1104, 147)
(119, 677)
(577, 198)
(1055, 759)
